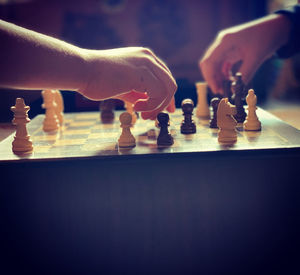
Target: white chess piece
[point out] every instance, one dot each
(59, 107)
(22, 142)
(252, 122)
(202, 110)
(51, 123)
(126, 139)
(227, 133)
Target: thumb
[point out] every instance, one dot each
(248, 68)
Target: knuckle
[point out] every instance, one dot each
(173, 87)
(201, 63)
(205, 63)
(147, 51)
(224, 36)
(147, 60)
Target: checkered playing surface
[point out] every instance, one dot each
(83, 135)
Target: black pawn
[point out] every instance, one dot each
(107, 108)
(187, 126)
(164, 138)
(214, 103)
(238, 88)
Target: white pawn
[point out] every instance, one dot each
(252, 122)
(22, 142)
(126, 139)
(51, 123)
(59, 107)
(202, 110)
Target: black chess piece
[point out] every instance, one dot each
(227, 90)
(187, 126)
(238, 88)
(214, 103)
(164, 138)
(107, 110)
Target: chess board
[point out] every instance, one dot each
(85, 136)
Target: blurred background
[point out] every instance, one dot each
(178, 31)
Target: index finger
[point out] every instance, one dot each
(160, 87)
(171, 107)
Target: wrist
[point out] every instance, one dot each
(93, 71)
(81, 77)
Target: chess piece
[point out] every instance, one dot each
(252, 122)
(22, 142)
(187, 126)
(164, 138)
(202, 106)
(107, 111)
(238, 88)
(130, 110)
(227, 133)
(227, 90)
(126, 139)
(59, 107)
(51, 122)
(214, 104)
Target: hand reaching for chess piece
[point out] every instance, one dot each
(248, 45)
(134, 74)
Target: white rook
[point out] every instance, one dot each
(202, 110)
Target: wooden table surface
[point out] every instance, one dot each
(289, 113)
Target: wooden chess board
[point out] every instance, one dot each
(84, 136)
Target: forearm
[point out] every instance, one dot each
(31, 60)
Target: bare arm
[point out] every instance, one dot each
(31, 60)
(35, 61)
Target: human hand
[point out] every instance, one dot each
(249, 44)
(133, 74)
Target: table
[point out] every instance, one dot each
(230, 210)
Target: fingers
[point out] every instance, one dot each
(143, 105)
(153, 114)
(155, 102)
(218, 60)
(249, 67)
(170, 90)
(132, 96)
(144, 80)
(210, 73)
(171, 107)
(159, 61)
(160, 87)
(154, 89)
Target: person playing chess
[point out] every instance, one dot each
(30, 60)
(251, 44)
